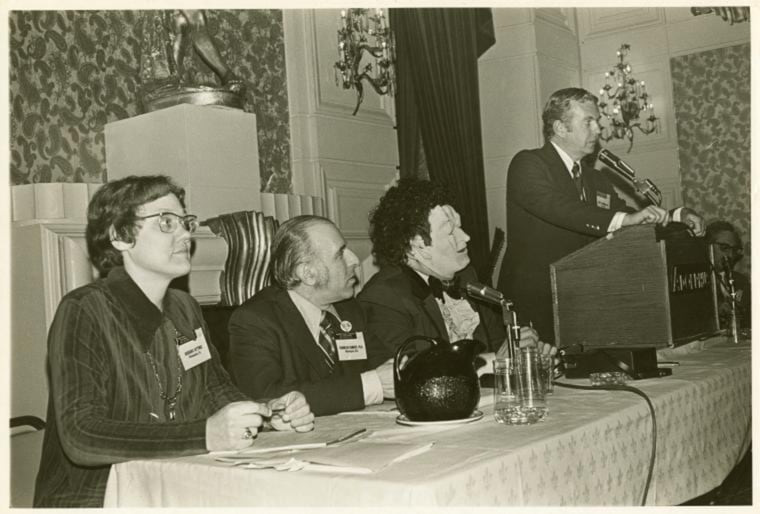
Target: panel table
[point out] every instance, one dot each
(593, 449)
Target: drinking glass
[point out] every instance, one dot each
(530, 386)
(547, 372)
(505, 389)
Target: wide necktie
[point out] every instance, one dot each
(578, 180)
(327, 329)
(451, 287)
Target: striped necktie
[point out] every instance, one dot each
(327, 328)
(578, 180)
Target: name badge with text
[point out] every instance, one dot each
(194, 352)
(603, 200)
(350, 346)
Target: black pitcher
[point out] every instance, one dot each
(438, 382)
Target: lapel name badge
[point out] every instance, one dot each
(603, 200)
(194, 352)
(351, 346)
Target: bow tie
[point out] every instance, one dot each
(451, 287)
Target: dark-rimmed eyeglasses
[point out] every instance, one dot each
(725, 247)
(169, 222)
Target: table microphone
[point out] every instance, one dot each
(483, 292)
(489, 294)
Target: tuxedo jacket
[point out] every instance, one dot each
(398, 304)
(546, 220)
(272, 352)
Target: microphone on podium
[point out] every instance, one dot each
(616, 163)
(644, 187)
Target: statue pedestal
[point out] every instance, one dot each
(210, 151)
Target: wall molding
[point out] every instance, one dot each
(562, 17)
(596, 22)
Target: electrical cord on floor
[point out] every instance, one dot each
(654, 422)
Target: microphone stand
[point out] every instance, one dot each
(513, 329)
(734, 327)
(508, 315)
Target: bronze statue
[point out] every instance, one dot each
(166, 36)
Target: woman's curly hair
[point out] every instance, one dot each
(115, 204)
(401, 215)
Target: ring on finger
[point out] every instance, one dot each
(247, 434)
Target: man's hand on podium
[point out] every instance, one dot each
(694, 221)
(649, 214)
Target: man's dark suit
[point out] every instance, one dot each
(272, 352)
(399, 304)
(546, 220)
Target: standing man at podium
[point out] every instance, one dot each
(556, 205)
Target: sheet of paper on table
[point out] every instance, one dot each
(353, 457)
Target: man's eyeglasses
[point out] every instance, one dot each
(168, 222)
(725, 247)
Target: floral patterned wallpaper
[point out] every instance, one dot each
(71, 72)
(711, 93)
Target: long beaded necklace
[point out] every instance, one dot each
(170, 402)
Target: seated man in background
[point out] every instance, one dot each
(306, 331)
(132, 372)
(419, 244)
(728, 251)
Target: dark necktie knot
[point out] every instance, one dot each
(451, 287)
(329, 323)
(328, 328)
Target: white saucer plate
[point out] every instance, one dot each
(402, 420)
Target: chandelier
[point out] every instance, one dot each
(365, 33)
(624, 102)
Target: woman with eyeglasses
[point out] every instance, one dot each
(133, 374)
(727, 252)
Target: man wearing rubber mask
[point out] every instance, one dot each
(421, 249)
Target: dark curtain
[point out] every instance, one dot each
(438, 107)
(407, 125)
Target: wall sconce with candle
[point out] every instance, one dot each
(624, 102)
(365, 32)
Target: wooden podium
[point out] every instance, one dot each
(637, 287)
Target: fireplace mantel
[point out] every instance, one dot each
(49, 259)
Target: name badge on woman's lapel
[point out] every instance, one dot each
(194, 352)
(603, 200)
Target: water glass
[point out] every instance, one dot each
(547, 372)
(505, 390)
(530, 386)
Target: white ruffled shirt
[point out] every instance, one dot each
(460, 318)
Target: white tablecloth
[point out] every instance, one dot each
(593, 449)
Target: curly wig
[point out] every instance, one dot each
(401, 215)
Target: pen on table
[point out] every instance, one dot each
(346, 437)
